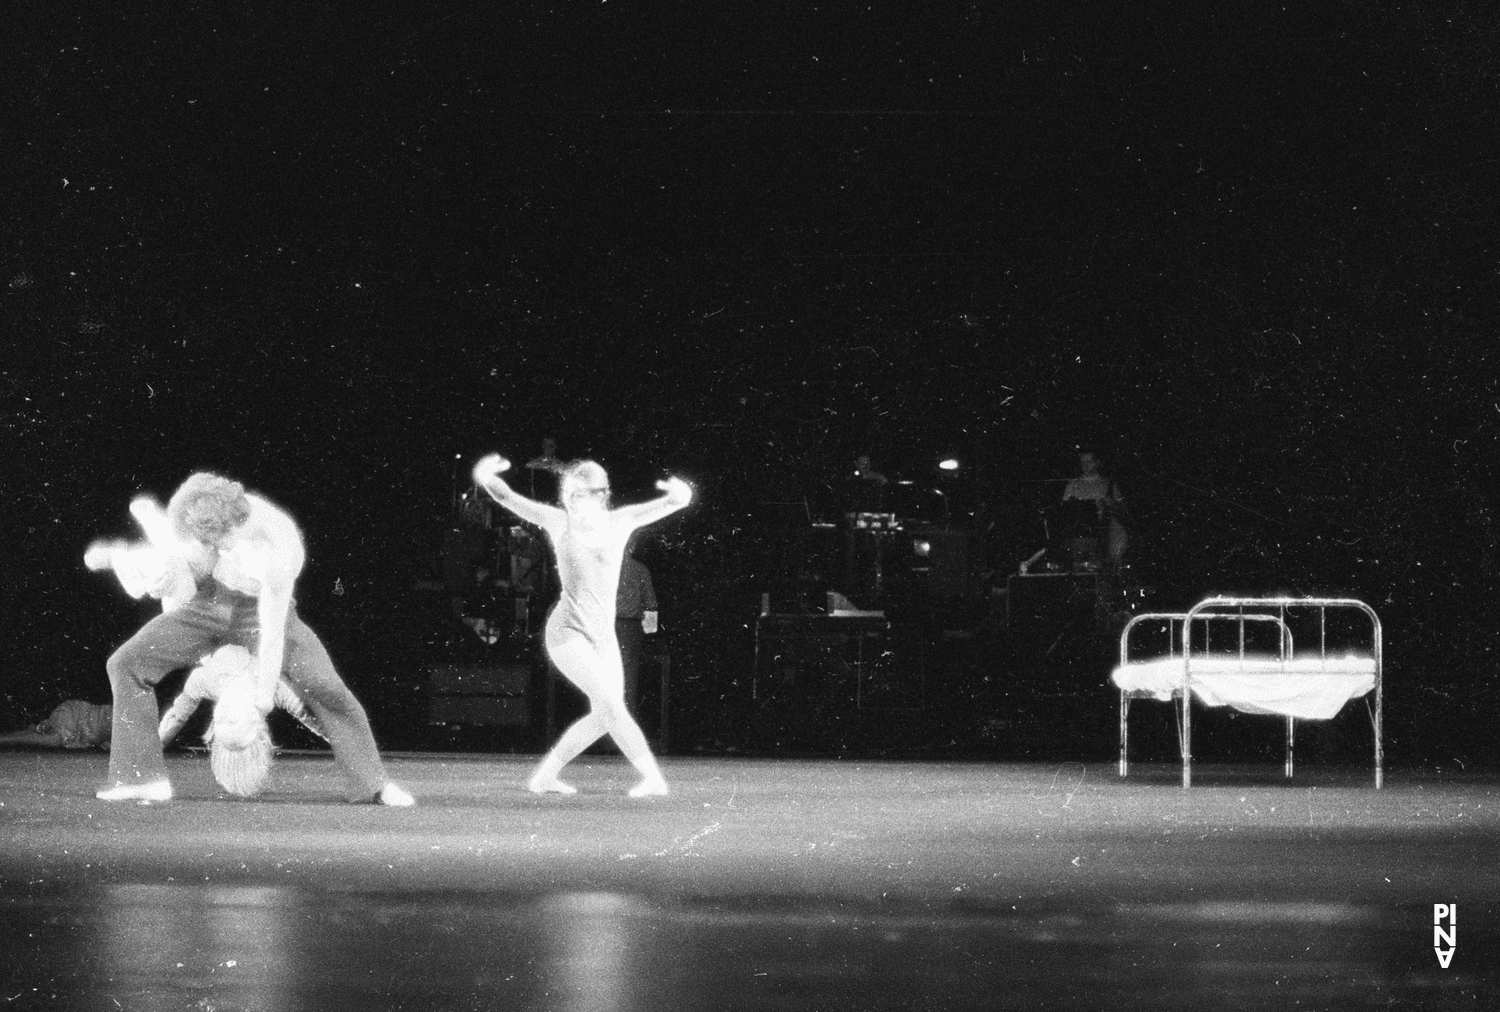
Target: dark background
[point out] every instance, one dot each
(1248, 253)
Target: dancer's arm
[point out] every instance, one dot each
(678, 494)
(487, 476)
(154, 523)
(183, 707)
(270, 553)
(272, 608)
(144, 569)
(157, 567)
(131, 564)
(176, 585)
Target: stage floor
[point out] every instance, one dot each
(758, 884)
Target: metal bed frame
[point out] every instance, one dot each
(1210, 610)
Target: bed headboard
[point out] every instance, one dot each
(1213, 605)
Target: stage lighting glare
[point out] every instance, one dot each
(948, 464)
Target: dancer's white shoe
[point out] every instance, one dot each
(157, 790)
(539, 784)
(394, 797)
(650, 787)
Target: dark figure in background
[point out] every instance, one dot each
(546, 470)
(866, 486)
(73, 724)
(468, 552)
(1104, 526)
(864, 561)
(635, 619)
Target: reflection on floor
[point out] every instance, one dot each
(755, 885)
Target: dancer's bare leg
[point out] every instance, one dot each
(582, 733)
(604, 684)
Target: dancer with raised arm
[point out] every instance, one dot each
(225, 563)
(588, 539)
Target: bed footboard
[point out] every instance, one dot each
(1308, 685)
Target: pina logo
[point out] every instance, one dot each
(1445, 939)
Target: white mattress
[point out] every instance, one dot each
(1312, 688)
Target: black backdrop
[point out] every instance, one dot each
(1247, 255)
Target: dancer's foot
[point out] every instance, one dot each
(539, 784)
(394, 797)
(157, 790)
(649, 788)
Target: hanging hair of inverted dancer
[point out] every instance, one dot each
(239, 744)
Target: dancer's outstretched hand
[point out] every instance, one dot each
(153, 520)
(679, 492)
(101, 554)
(490, 467)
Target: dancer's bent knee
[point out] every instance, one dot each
(125, 669)
(610, 710)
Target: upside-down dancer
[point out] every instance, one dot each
(239, 742)
(588, 539)
(225, 563)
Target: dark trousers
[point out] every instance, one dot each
(632, 649)
(178, 639)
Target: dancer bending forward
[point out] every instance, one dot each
(225, 563)
(589, 541)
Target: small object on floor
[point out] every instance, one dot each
(159, 790)
(394, 797)
(549, 785)
(649, 788)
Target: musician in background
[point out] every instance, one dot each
(635, 619)
(867, 486)
(1091, 486)
(865, 494)
(545, 470)
(468, 552)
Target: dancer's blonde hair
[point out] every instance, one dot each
(239, 742)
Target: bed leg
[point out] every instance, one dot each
(1290, 735)
(1186, 730)
(1124, 729)
(1379, 742)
